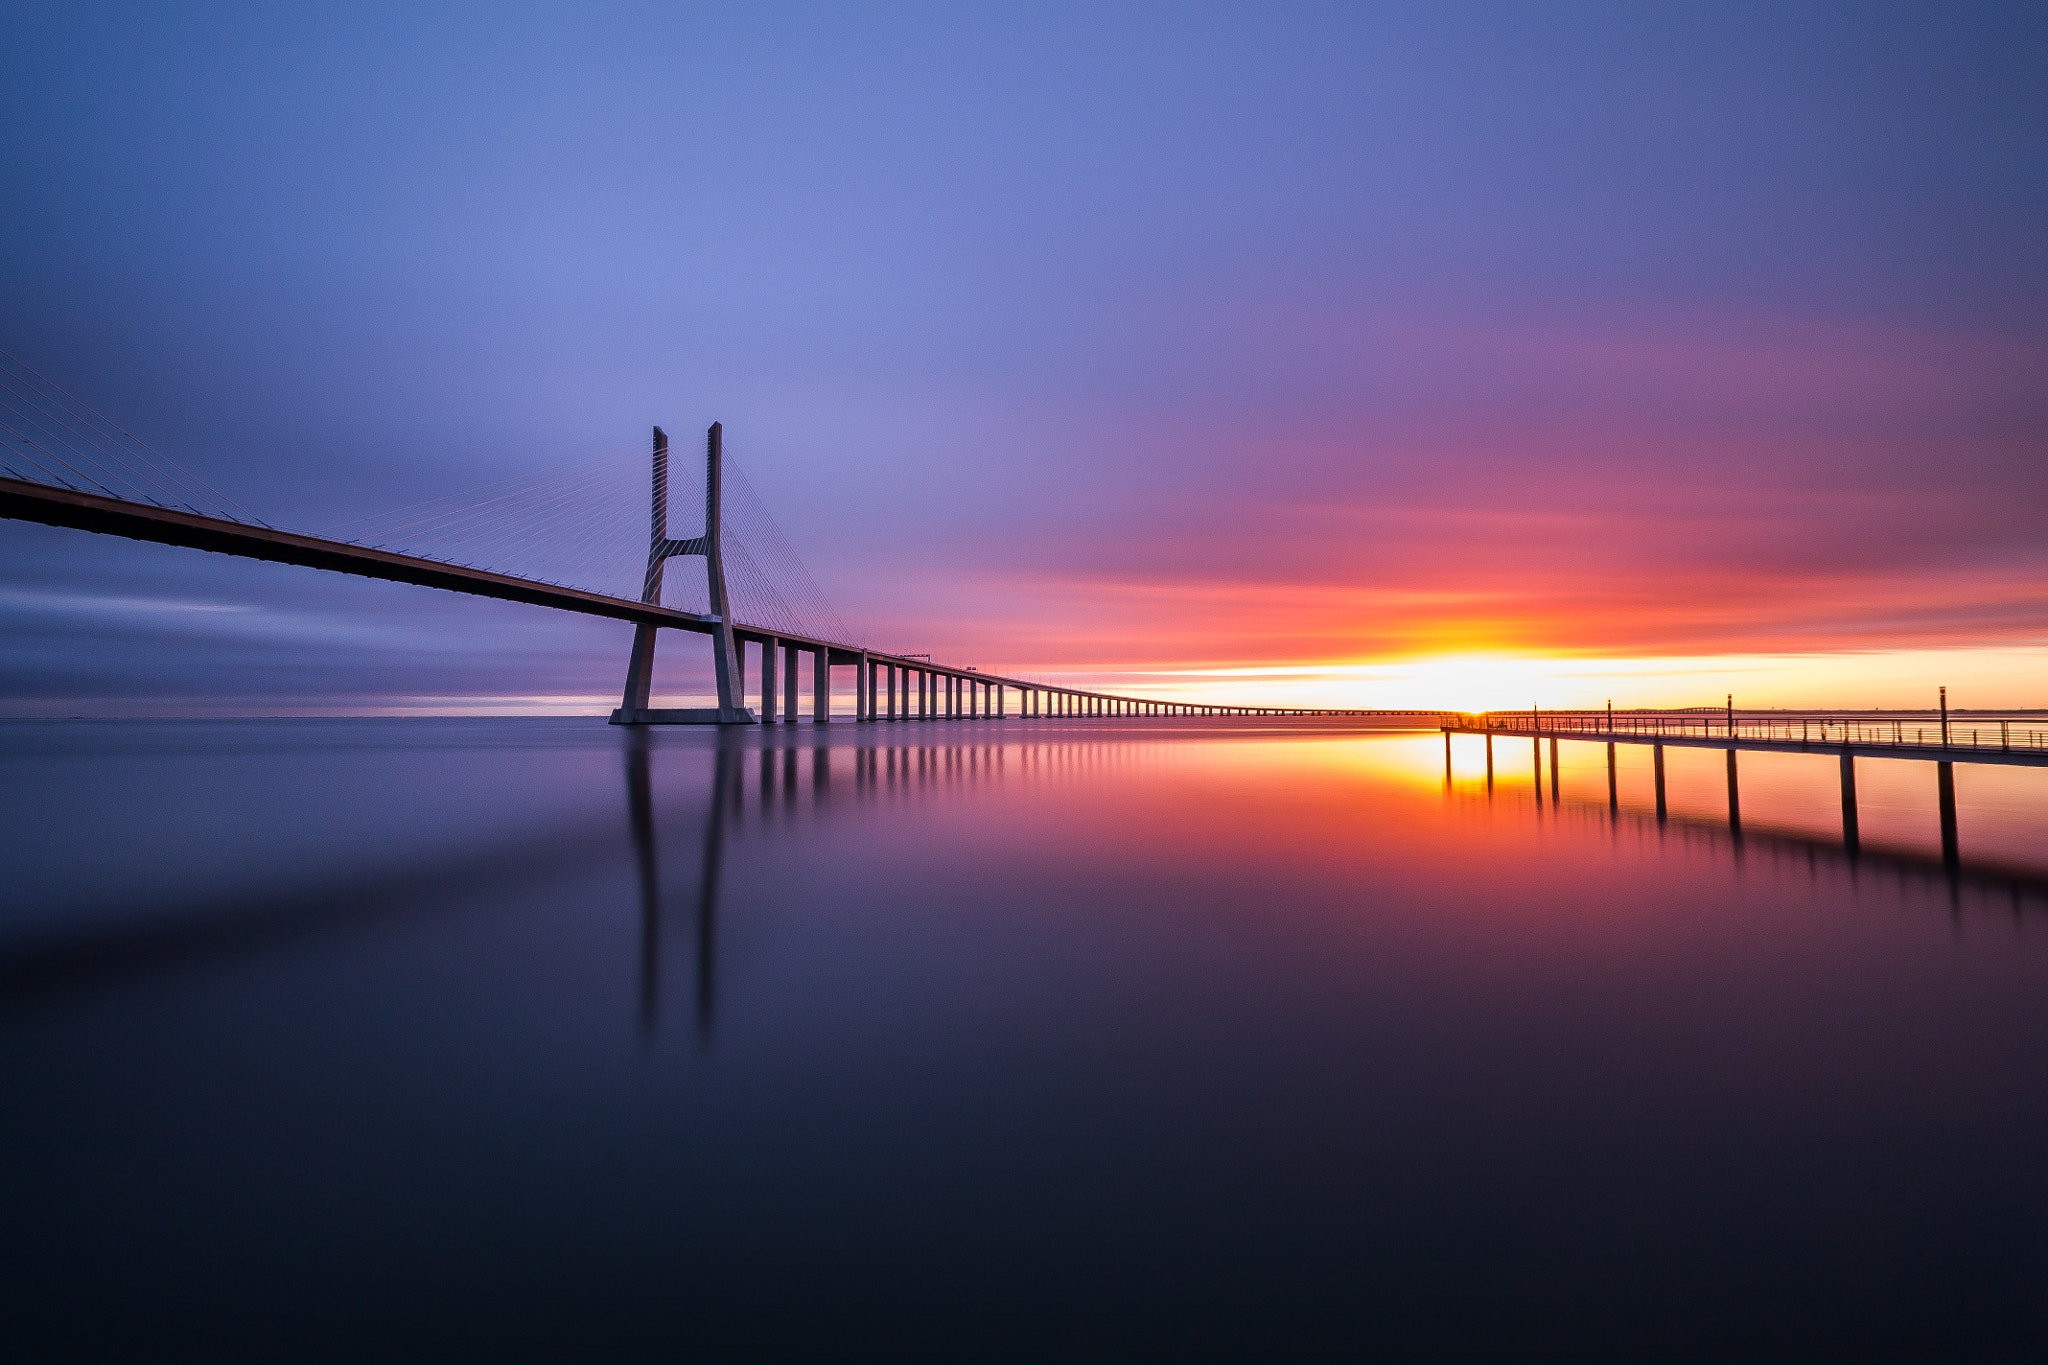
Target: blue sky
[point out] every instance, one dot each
(1104, 339)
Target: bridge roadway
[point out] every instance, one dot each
(889, 687)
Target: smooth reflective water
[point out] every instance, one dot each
(540, 1039)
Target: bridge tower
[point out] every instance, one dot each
(633, 710)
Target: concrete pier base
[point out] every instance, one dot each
(689, 715)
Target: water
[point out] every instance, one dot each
(539, 1039)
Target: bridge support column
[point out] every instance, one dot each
(1554, 795)
(821, 684)
(790, 704)
(768, 680)
(1657, 766)
(639, 671)
(634, 706)
(1613, 791)
(892, 690)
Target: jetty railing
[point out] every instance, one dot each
(2006, 733)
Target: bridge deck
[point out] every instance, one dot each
(21, 500)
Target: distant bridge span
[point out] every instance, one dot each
(888, 686)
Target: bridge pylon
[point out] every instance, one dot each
(633, 709)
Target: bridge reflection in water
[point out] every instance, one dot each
(762, 780)
(754, 778)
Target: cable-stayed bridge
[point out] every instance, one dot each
(573, 540)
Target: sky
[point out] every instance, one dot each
(1430, 354)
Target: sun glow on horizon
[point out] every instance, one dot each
(2010, 676)
(1482, 682)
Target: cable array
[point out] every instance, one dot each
(49, 437)
(579, 525)
(780, 588)
(585, 525)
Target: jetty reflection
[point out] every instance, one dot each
(2015, 887)
(756, 780)
(755, 784)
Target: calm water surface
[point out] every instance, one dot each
(543, 1040)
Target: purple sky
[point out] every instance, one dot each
(1110, 339)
